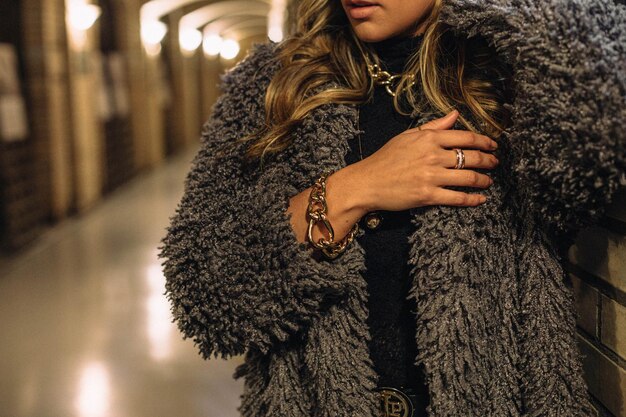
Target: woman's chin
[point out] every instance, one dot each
(368, 32)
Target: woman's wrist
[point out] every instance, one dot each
(345, 195)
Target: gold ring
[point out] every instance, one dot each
(460, 159)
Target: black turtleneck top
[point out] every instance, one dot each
(391, 316)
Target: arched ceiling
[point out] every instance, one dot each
(245, 29)
(156, 9)
(225, 23)
(239, 18)
(222, 9)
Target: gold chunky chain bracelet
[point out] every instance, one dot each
(316, 211)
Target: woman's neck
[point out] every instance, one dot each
(395, 52)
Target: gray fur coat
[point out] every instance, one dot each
(495, 318)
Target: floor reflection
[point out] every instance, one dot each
(86, 330)
(158, 315)
(94, 391)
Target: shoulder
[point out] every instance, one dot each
(514, 26)
(464, 12)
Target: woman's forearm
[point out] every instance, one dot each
(344, 207)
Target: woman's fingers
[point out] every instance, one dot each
(463, 178)
(456, 198)
(473, 159)
(465, 139)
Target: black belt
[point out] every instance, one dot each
(396, 402)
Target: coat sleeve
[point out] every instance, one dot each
(566, 140)
(236, 276)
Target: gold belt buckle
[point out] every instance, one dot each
(394, 403)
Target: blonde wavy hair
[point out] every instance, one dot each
(449, 72)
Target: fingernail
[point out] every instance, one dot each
(494, 144)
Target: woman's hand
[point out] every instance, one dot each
(412, 169)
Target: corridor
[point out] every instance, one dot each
(86, 330)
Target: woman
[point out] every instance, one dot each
(494, 325)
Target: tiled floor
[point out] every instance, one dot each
(84, 328)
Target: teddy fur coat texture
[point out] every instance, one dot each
(495, 317)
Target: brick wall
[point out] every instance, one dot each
(597, 265)
(23, 169)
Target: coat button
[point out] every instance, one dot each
(372, 220)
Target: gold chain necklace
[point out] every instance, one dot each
(386, 79)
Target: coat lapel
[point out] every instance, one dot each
(338, 371)
(465, 286)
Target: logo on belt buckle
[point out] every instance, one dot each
(394, 403)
